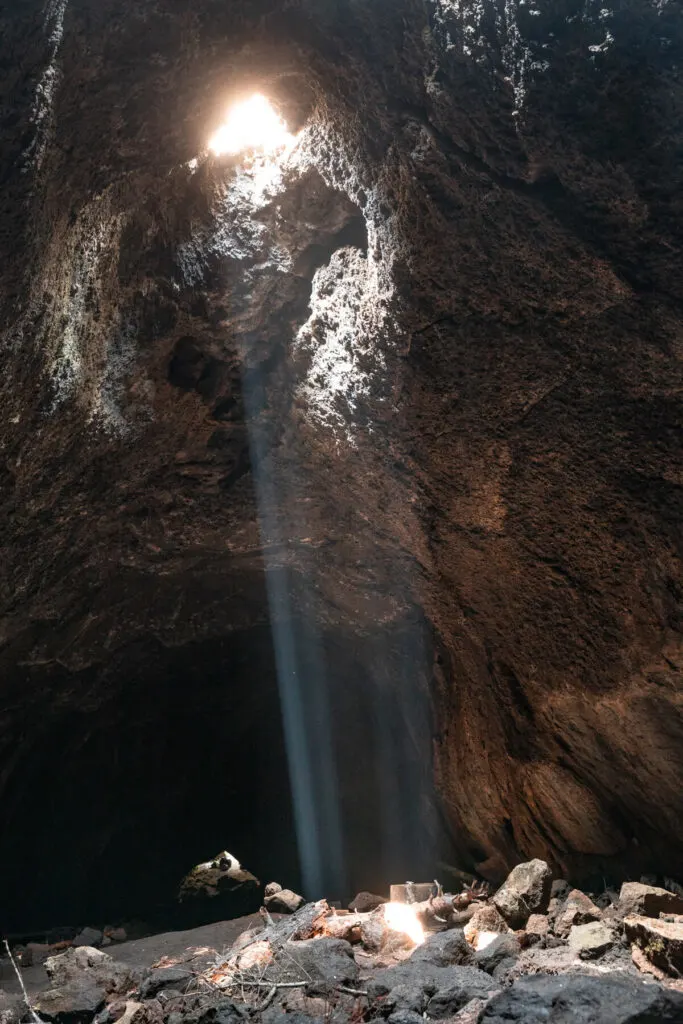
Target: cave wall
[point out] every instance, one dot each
(428, 372)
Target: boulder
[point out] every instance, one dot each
(503, 947)
(455, 986)
(160, 979)
(648, 900)
(581, 999)
(485, 921)
(284, 901)
(82, 978)
(445, 949)
(526, 891)
(660, 941)
(590, 941)
(577, 909)
(364, 902)
(325, 960)
(470, 984)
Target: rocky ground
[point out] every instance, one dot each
(536, 951)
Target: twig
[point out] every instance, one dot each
(33, 1013)
(269, 984)
(351, 991)
(269, 998)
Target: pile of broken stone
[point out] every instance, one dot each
(536, 951)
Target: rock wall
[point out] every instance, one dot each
(414, 389)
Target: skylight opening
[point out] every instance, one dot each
(251, 126)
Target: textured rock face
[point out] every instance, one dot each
(408, 401)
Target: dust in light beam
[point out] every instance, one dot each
(251, 125)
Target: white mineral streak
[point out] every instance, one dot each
(41, 114)
(461, 26)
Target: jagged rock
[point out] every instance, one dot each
(445, 949)
(590, 940)
(537, 928)
(660, 941)
(88, 937)
(577, 909)
(453, 985)
(81, 978)
(648, 900)
(284, 901)
(12, 1008)
(485, 918)
(403, 1016)
(470, 985)
(179, 977)
(227, 1011)
(471, 1013)
(116, 934)
(608, 999)
(503, 948)
(327, 960)
(525, 891)
(364, 902)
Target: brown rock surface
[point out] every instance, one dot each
(442, 364)
(660, 941)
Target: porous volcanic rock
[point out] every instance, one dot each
(399, 417)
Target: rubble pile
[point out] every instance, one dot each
(535, 951)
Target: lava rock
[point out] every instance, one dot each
(578, 909)
(457, 984)
(560, 889)
(88, 937)
(503, 947)
(283, 901)
(405, 1017)
(537, 928)
(660, 941)
(12, 1008)
(470, 984)
(525, 891)
(178, 978)
(590, 940)
(445, 949)
(82, 978)
(364, 902)
(648, 900)
(327, 960)
(579, 999)
(225, 1011)
(486, 918)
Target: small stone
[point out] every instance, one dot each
(537, 928)
(578, 909)
(660, 941)
(590, 940)
(364, 902)
(648, 900)
(285, 901)
(88, 937)
(116, 934)
(272, 888)
(526, 891)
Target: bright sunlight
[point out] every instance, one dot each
(252, 124)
